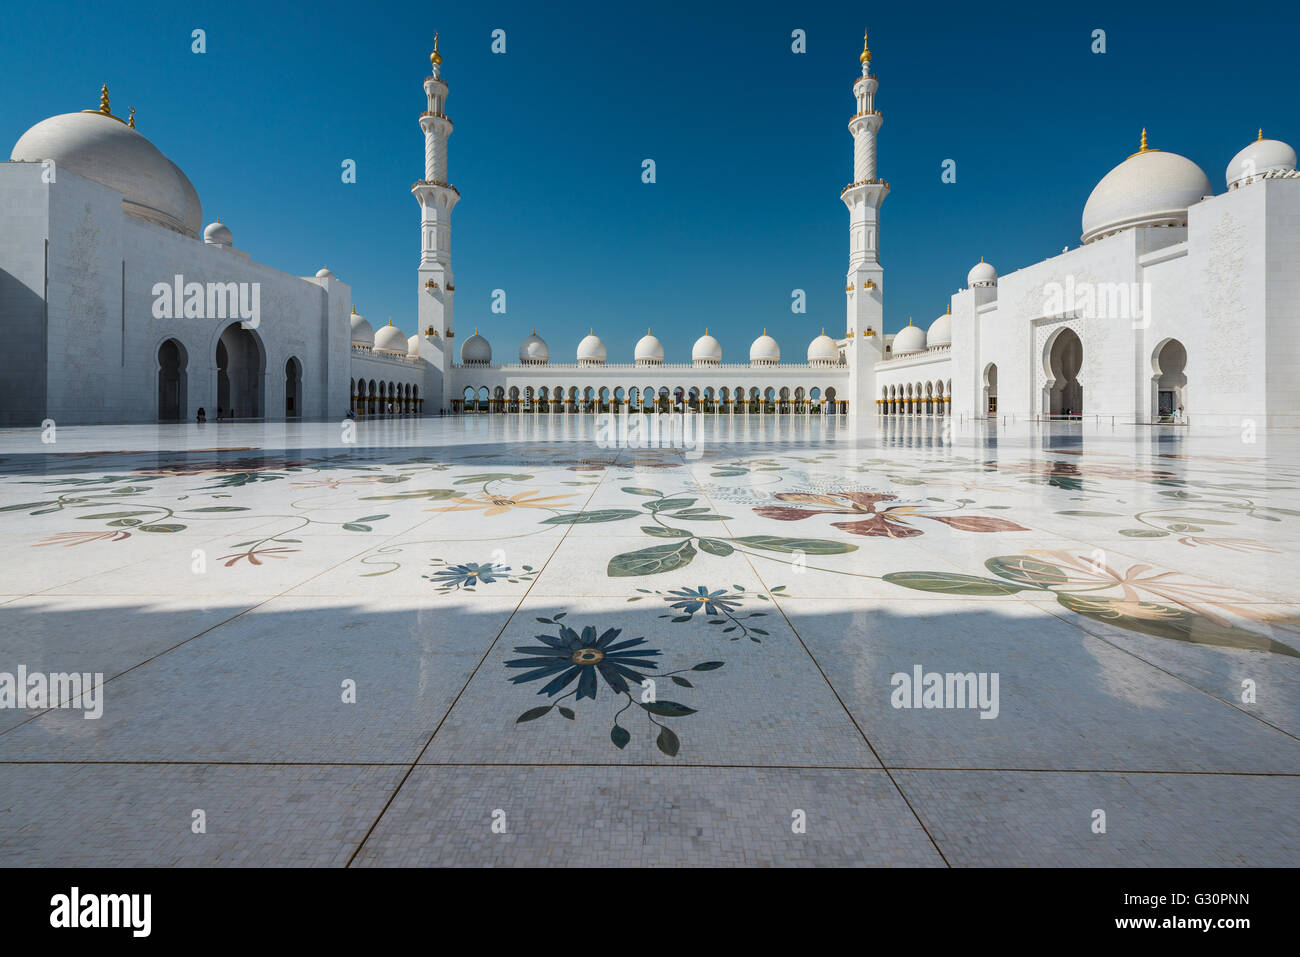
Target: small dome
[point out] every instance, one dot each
(649, 350)
(413, 346)
(476, 351)
(533, 351)
(101, 147)
(219, 234)
(322, 273)
(1150, 188)
(591, 351)
(362, 333)
(940, 332)
(982, 274)
(764, 351)
(707, 350)
(910, 339)
(1258, 160)
(390, 339)
(823, 351)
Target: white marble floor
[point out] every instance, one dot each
(493, 641)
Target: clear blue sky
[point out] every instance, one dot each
(749, 139)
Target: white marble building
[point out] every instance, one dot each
(96, 220)
(1179, 304)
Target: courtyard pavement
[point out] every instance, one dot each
(491, 641)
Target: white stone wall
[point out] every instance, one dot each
(100, 362)
(84, 354)
(25, 207)
(1282, 297)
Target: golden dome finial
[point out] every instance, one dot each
(948, 311)
(354, 308)
(103, 106)
(1261, 135)
(1142, 146)
(909, 320)
(390, 320)
(130, 120)
(435, 57)
(866, 53)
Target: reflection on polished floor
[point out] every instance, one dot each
(500, 640)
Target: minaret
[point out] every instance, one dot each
(863, 289)
(436, 197)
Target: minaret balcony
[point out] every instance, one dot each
(436, 122)
(865, 182)
(866, 121)
(431, 184)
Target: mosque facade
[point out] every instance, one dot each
(1180, 304)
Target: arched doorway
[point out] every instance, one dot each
(240, 371)
(171, 381)
(1169, 381)
(991, 389)
(1064, 358)
(292, 388)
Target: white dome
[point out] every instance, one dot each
(591, 351)
(219, 234)
(940, 332)
(1150, 188)
(649, 350)
(102, 148)
(707, 350)
(476, 351)
(1258, 159)
(390, 339)
(982, 274)
(764, 351)
(533, 351)
(823, 350)
(362, 333)
(413, 346)
(910, 339)
(193, 208)
(323, 273)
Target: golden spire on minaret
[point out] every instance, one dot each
(435, 57)
(866, 54)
